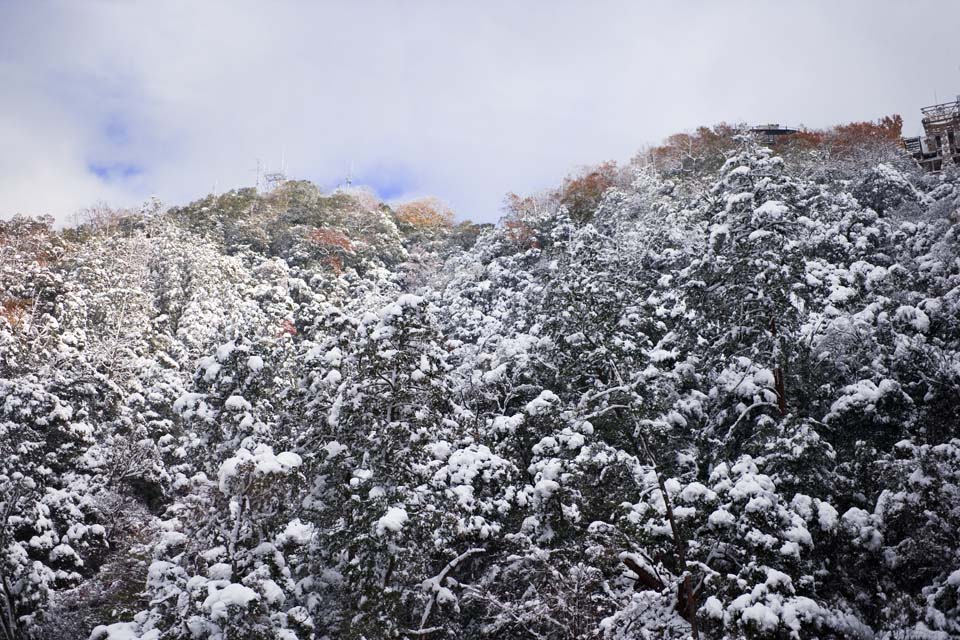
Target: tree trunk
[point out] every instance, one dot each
(778, 381)
(686, 598)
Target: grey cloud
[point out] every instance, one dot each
(463, 100)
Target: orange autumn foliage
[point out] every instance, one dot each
(14, 310)
(31, 238)
(522, 234)
(425, 213)
(705, 149)
(335, 263)
(857, 138)
(582, 193)
(519, 207)
(522, 213)
(332, 245)
(330, 239)
(287, 328)
(847, 139)
(688, 153)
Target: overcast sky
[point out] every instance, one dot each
(463, 100)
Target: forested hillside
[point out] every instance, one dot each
(713, 394)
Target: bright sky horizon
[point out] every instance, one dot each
(118, 101)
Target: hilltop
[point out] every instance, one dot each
(710, 393)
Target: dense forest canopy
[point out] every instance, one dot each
(712, 393)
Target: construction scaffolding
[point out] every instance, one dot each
(941, 140)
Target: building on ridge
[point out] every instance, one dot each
(940, 142)
(772, 134)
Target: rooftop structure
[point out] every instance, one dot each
(771, 134)
(941, 140)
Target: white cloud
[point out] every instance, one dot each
(463, 100)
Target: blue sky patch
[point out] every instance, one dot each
(388, 183)
(115, 130)
(114, 172)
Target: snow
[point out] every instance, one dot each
(777, 579)
(123, 631)
(220, 599)
(545, 488)
(333, 449)
(772, 209)
(751, 485)
(211, 369)
(435, 424)
(735, 199)
(914, 317)
(542, 404)
(262, 461)
(224, 351)
(798, 534)
(392, 521)
(64, 551)
(718, 231)
(827, 516)
(507, 424)
(496, 374)
(62, 412)
(721, 517)
(954, 579)
(405, 301)
(696, 491)
(672, 486)
(213, 553)
(712, 608)
(220, 571)
(333, 357)
(409, 300)
(272, 593)
(237, 403)
(841, 294)
(360, 476)
(758, 504)
(188, 401)
(572, 440)
(440, 450)
(684, 513)
(333, 417)
(863, 395)
(466, 466)
(288, 459)
(802, 505)
(861, 524)
(761, 615)
(575, 339)
(662, 355)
